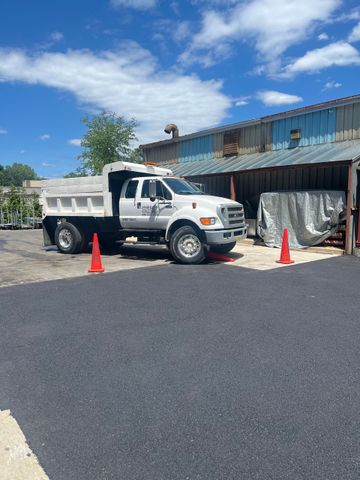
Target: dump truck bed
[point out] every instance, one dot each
(80, 196)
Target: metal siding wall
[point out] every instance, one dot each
(268, 136)
(251, 139)
(348, 122)
(218, 141)
(316, 128)
(165, 154)
(198, 148)
(249, 186)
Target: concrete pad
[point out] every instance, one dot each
(24, 259)
(17, 461)
(260, 257)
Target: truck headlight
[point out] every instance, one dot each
(208, 220)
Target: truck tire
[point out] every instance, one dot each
(84, 243)
(187, 247)
(68, 238)
(223, 248)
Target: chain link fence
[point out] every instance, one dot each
(15, 220)
(19, 211)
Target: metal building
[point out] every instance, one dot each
(316, 147)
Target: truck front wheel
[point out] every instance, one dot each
(187, 247)
(223, 248)
(68, 238)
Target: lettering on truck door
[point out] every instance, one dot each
(153, 214)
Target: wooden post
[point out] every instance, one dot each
(348, 233)
(232, 187)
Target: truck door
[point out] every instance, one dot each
(127, 208)
(153, 214)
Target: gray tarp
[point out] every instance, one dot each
(310, 216)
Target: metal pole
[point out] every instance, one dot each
(232, 187)
(348, 233)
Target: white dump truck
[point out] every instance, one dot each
(142, 201)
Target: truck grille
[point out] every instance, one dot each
(234, 216)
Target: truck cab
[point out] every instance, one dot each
(163, 205)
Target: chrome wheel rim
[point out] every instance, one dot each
(65, 238)
(189, 245)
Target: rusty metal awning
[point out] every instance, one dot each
(313, 155)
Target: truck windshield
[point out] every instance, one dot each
(182, 187)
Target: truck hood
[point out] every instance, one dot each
(209, 199)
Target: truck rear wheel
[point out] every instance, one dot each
(187, 247)
(223, 248)
(68, 238)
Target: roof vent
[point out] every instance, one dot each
(295, 134)
(172, 128)
(231, 144)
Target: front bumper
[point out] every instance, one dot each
(216, 237)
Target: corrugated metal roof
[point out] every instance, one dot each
(312, 155)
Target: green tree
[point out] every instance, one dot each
(16, 173)
(77, 173)
(2, 205)
(16, 202)
(34, 208)
(109, 138)
(136, 156)
(16, 205)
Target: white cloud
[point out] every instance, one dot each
(56, 36)
(181, 31)
(271, 98)
(353, 14)
(76, 142)
(22, 152)
(137, 4)
(46, 164)
(323, 36)
(128, 82)
(3, 131)
(271, 25)
(338, 54)
(355, 34)
(332, 84)
(242, 101)
(44, 137)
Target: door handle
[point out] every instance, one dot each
(138, 205)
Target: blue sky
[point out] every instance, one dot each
(196, 63)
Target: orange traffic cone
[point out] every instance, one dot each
(96, 265)
(285, 252)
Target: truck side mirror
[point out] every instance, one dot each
(200, 186)
(152, 190)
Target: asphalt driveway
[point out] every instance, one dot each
(188, 372)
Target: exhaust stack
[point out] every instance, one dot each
(172, 128)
